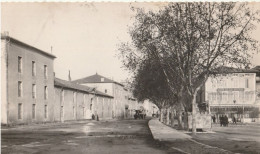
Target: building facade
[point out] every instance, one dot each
(232, 94)
(77, 102)
(27, 86)
(122, 96)
(30, 92)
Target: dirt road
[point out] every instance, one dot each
(117, 136)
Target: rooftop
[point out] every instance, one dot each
(13, 40)
(70, 85)
(225, 69)
(95, 79)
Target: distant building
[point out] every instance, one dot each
(27, 87)
(232, 94)
(76, 102)
(150, 108)
(122, 97)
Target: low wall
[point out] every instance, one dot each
(203, 121)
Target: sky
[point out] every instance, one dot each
(84, 36)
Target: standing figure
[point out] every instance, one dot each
(221, 120)
(214, 119)
(234, 120)
(226, 120)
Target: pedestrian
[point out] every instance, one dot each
(214, 119)
(226, 120)
(97, 118)
(221, 120)
(234, 120)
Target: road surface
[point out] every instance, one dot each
(115, 137)
(235, 138)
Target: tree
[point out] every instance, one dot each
(190, 41)
(149, 83)
(255, 113)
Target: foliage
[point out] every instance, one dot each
(190, 41)
(255, 113)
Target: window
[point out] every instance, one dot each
(84, 98)
(219, 96)
(74, 96)
(209, 96)
(45, 71)
(20, 110)
(252, 95)
(33, 91)
(20, 64)
(74, 111)
(45, 111)
(83, 109)
(235, 95)
(241, 95)
(213, 96)
(19, 88)
(45, 92)
(33, 111)
(247, 96)
(62, 95)
(236, 83)
(61, 111)
(91, 102)
(224, 95)
(33, 68)
(246, 83)
(230, 96)
(105, 90)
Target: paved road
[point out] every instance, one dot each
(238, 139)
(240, 133)
(122, 136)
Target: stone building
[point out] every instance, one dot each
(232, 94)
(76, 102)
(27, 87)
(30, 93)
(122, 96)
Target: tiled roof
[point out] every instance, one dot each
(95, 79)
(74, 86)
(8, 38)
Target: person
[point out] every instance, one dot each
(214, 119)
(226, 120)
(221, 120)
(234, 120)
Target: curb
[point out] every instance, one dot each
(180, 150)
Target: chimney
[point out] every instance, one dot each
(69, 76)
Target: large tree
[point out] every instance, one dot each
(191, 40)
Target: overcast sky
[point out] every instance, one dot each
(84, 36)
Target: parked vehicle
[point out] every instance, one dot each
(139, 114)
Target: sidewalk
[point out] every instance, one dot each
(162, 132)
(180, 141)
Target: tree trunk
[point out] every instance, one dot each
(161, 115)
(172, 118)
(179, 114)
(194, 110)
(167, 116)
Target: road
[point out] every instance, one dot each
(235, 138)
(117, 136)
